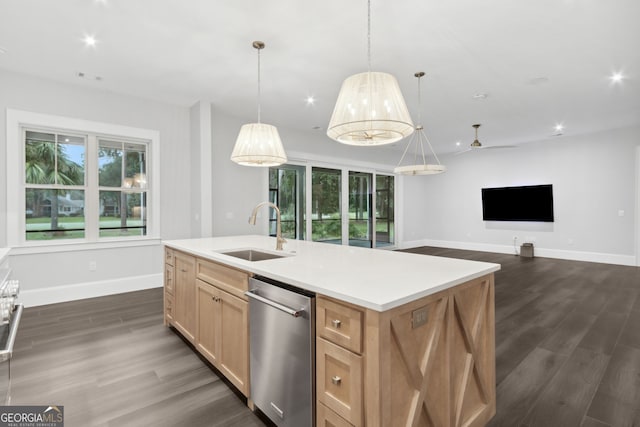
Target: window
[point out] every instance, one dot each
(77, 181)
(123, 188)
(54, 173)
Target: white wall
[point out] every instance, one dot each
(593, 178)
(56, 275)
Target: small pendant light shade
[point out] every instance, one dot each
(258, 144)
(370, 110)
(419, 139)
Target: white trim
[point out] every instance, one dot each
(637, 222)
(75, 246)
(43, 296)
(538, 252)
(16, 119)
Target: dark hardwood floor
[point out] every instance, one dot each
(111, 362)
(567, 350)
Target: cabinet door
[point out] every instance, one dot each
(208, 320)
(234, 340)
(185, 295)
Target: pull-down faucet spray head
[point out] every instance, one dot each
(252, 220)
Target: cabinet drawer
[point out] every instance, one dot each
(339, 323)
(228, 279)
(169, 277)
(325, 417)
(339, 381)
(169, 256)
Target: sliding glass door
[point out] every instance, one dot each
(326, 217)
(286, 190)
(360, 215)
(338, 206)
(385, 214)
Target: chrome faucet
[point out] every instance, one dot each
(252, 221)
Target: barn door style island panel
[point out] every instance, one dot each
(400, 339)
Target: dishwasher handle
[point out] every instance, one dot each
(281, 307)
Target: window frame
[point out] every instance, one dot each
(18, 121)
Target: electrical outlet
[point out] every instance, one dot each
(419, 317)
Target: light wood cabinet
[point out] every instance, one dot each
(205, 302)
(430, 362)
(184, 313)
(207, 313)
(327, 418)
(223, 333)
(339, 380)
(233, 361)
(169, 280)
(339, 363)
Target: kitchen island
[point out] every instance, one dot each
(401, 339)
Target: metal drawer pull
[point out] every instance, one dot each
(336, 323)
(336, 380)
(281, 307)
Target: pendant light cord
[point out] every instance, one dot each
(370, 85)
(369, 35)
(259, 85)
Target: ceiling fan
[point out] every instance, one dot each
(477, 145)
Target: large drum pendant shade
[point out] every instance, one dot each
(370, 110)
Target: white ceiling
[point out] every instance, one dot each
(539, 62)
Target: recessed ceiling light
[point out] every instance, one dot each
(616, 77)
(90, 40)
(457, 143)
(310, 100)
(559, 127)
(480, 96)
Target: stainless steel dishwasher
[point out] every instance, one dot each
(282, 353)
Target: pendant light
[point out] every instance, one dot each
(370, 109)
(258, 144)
(419, 138)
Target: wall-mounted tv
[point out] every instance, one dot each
(529, 203)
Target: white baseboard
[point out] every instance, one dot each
(43, 296)
(605, 258)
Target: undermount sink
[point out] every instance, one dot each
(253, 254)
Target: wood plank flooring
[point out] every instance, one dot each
(567, 354)
(111, 362)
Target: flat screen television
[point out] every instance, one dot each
(528, 203)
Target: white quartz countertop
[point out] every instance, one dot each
(374, 278)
